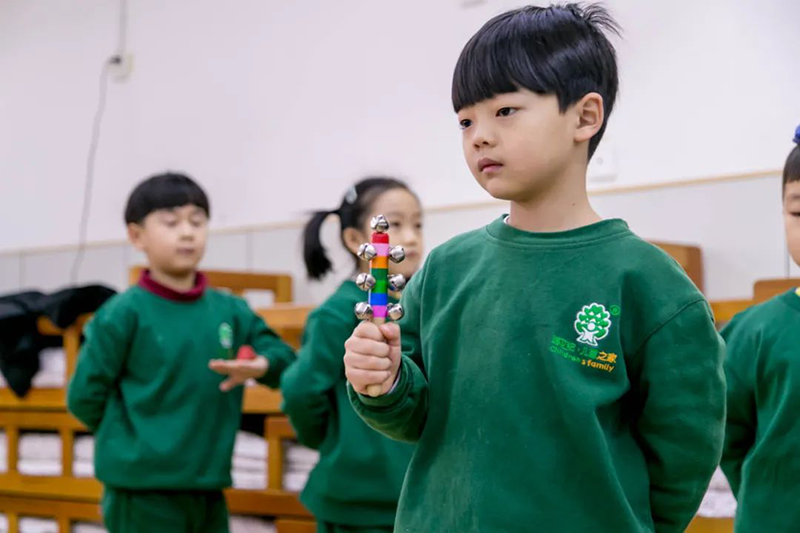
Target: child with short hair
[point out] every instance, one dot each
(164, 431)
(558, 373)
(761, 458)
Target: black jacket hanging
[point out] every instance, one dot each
(20, 340)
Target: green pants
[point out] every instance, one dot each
(131, 511)
(327, 527)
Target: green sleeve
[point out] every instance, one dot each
(740, 423)
(401, 414)
(679, 387)
(307, 384)
(100, 363)
(264, 342)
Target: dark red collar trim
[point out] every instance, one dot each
(149, 284)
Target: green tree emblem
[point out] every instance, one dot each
(593, 323)
(226, 335)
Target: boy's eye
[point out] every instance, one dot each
(506, 111)
(171, 222)
(466, 123)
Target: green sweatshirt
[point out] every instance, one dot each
(360, 472)
(565, 381)
(761, 457)
(143, 386)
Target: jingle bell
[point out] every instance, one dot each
(397, 254)
(397, 282)
(395, 312)
(379, 224)
(367, 252)
(365, 281)
(363, 311)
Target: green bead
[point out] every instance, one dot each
(381, 286)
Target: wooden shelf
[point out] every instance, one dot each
(35, 400)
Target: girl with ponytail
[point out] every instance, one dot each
(356, 485)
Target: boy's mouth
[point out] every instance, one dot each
(186, 251)
(486, 164)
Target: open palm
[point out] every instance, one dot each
(239, 370)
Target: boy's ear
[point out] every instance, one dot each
(353, 239)
(136, 236)
(589, 114)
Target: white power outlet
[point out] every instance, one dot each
(120, 67)
(603, 168)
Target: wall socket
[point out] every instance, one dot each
(603, 168)
(120, 67)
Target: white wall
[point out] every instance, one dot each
(277, 106)
(737, 225)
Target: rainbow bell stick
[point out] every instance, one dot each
(378, 282)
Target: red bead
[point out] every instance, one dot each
(380, 237)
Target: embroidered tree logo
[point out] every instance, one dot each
(226, 335)
(593, 323)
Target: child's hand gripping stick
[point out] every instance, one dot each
(378, 282)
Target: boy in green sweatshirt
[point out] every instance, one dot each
(761, 457)
(164, 422)
(558, 373)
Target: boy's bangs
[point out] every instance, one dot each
(489, 66)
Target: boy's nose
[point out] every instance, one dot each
(187, 232)
(482, 137)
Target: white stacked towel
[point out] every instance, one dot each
(3, 465)
(718, 501)
(43, 525)
(249, 524)
(86, 527)
(40, 455)
(83, 456)
(298, 463)
(52, 370)
(249, 462)
(238, 524)
(36, 525)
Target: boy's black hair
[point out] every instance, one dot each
(164, 191)
(560, 49)
(352, 212)
(791, 170)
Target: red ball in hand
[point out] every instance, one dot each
(246, 352)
